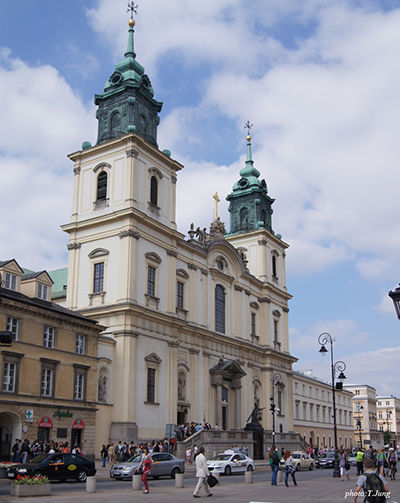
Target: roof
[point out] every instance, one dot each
(44, 304)
(59, 277)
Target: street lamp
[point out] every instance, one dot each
(395, 296)
(359, 409)
(336, 368)
(276, 381)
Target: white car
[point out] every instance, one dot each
(229, 463)
(302, 461)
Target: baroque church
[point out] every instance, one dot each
(196, 324)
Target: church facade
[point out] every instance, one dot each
(196, 325)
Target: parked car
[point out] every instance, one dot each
(302, 461)
(55, 467)
(352, 459)
(163, 465)
(325, 460)
(229, 463)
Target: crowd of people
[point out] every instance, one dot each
(185, 430)
(122, 451)
(24, 451)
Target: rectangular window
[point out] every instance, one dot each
(309, 391)
(12, 326)
(317, 409)
(151, 281)
(323, 415)
(151, 385)
(280, 411)
(79, 387)
(311, 412)
(179, 295)
(48, 337)
(10, 281)
(388, 414)
(297, 411)
(357, 392)
(80, 344)
(253, 323)
(380, 415)
(47, 382)
(42, 292)
(379, 403)
(9, 377)
(98, 284)
(295, 387)
(387, 402)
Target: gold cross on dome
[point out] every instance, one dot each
(217, 200)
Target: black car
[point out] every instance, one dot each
(55, 466)
(325, 460)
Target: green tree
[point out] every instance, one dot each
(386, 437)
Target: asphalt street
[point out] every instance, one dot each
(312, 486)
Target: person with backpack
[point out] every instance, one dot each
(371, 485)
(392, 460)
(274, 462)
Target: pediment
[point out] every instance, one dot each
(153, 358)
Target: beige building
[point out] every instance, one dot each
(388, 409)
(49, 373)
(196, 325)
(313, 412)
(365, 416)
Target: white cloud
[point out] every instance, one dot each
(43, 120)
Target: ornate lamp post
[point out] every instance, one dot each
(395, 296)
(359, 409)
(336, 368)
(276, 381)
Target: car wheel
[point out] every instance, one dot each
(228, 470)
(36, 474)
(174, 472)
(81, 476)
(311, 467)
(250, 468)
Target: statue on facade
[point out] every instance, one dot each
(102, 397)
(181, 388)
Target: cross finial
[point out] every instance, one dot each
(132, 8)
(248, 126)
(217, 200)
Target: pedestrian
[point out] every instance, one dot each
(343, 463)
(145, 464)
(189, 455)
(289, 468)
(274, 461)
(65, 448)
(16, 451)
(111, 454)
(360, 461)
(370, 482)
(103, 455)
(202, 473)
(380, 461)
(25, 450)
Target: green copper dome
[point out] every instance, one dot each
(127, 104)
(249, 203)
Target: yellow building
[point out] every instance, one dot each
(49, 372)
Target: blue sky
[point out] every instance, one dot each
(319, 81)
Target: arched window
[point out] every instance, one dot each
(102, 186)
(274, 266)
(244, 217)
(219, 309)
(154, 191)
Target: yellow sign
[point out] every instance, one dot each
(71, 467)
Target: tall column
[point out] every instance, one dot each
(238, 419)
(218, 405)
(172, 398)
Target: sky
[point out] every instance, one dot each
(319, 81)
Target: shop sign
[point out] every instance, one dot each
(45, 422)
(29, 415)
(78, 424)
(62, 413)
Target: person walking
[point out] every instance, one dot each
(111, 454)
(202, 473)
(360, 461)
(342, 464)
(289, 468)
(380, 461)
(274, 461)
(145, 464)
(103, 455)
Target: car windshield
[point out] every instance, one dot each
(221, 457)
(134, 459)
(296, 456)
(39, 459)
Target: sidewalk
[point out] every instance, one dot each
(324, 490)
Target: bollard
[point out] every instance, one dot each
(179, 480)
(248, 477)
(136, 482)
(91, 485)
(279, 476)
